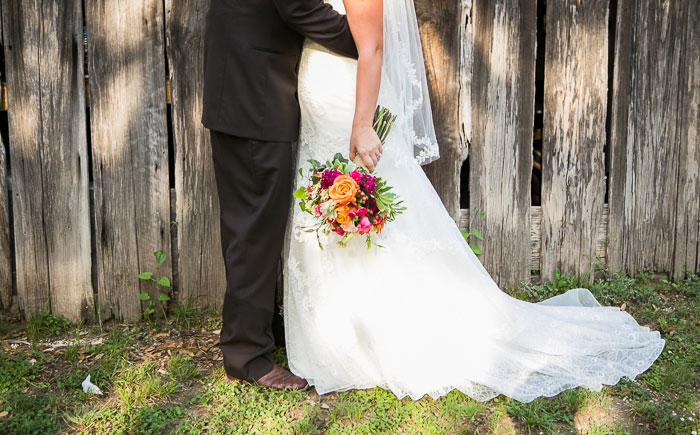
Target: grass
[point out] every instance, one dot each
(167, 378)
(45, 323)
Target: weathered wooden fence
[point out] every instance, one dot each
(103, 159)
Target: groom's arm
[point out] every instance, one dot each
(319, 22)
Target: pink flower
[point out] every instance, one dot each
(324, 207)
(348, 226)
(364, 226)
(338, 231)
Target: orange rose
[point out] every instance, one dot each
(341, 215)
(343, 190)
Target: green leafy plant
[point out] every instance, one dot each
(148, 276)
(473, 233)
(152, 305)
(163, 281)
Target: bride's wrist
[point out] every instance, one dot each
(361, 125)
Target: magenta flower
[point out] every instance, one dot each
(356, 176)
(368, 183)
(358, 213)
(372, 203)
(328, 177)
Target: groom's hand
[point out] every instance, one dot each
(365, 142)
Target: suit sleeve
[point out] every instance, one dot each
(319, 22)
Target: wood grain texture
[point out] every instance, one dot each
(645, 135)
(201, 272)
(126, 63)
(48, 150)
(601, 233)
(466, 63)
(503, 92)
(442, 39)
(687, 237)
(5, 249)
(575, 107)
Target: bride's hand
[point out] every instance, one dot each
(365, 142)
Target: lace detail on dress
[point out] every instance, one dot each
(427, 154)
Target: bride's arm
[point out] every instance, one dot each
(318, 21)
(365, 18)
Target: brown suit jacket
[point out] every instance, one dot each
(251, 55)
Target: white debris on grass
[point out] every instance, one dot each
(89, 387)
(56, 344)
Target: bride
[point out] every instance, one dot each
(421, 315)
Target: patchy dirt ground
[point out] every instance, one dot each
(168, 378)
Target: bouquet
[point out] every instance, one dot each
(346, 199)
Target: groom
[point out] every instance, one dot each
(251, 52)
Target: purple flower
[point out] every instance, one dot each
(328, 177)
(368, 183)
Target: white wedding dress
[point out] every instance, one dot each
(421, 315)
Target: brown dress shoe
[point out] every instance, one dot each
(279, 379)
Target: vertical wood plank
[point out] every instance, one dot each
(48, 150)
(126, 62)
(687, 238)
(200, 265)
(442, 37)
(5, 250)
(503, 92)
(466, 63)
(645, 151)
(575, 107)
